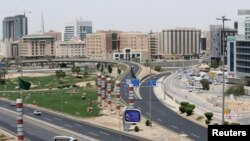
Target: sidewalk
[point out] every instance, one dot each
(5, 136)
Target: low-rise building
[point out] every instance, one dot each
(129, 54)
(73, 48)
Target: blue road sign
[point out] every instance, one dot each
(132, 115)
(135, 82)
(152, 83)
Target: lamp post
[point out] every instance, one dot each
(223, 19)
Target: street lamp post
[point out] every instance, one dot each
(223, 19)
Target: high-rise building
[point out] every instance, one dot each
(79, 28)
(154, 45)
(99, 45)
(180, 43)
(217, 36)
(244, 23)
(15, 27)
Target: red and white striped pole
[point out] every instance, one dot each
(19, 122)
(99, 89)
(131, 97)
(103, 90)
(118, 95)
(109, 92)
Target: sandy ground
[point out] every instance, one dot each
(4, 136)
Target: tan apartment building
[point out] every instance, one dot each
(99, 45)
(36, 46)
(73, 48)
(55, 34)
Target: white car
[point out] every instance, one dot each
(36, 112)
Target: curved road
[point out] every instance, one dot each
(162, 114)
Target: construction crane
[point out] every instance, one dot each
(24, 12)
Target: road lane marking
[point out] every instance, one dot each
(194, 135)
(174, 126)
(93, 134)
(104, 133)
(48, 119)
(68, 125)
(159, 119)
(78, 125)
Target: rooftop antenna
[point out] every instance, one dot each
(42, 24)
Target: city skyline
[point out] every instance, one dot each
(129, 15)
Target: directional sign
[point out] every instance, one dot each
(132, 116)
(152, 83)
(136, 82)
(128, 81)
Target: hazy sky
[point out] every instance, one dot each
(127, 15)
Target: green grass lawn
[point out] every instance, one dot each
(62, 100)
(43, 82)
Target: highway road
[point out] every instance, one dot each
(87, 129)
(162, 114)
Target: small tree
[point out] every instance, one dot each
(182, 109)
(119, 71)
(184, 103)
(136, 129)
(205, 84)
(77, 70)
(73, 69)
(110, 69)
(207, 121)
(157, 68)
(147, 123)
(208, 115)
(189, 110)
(98, 65)
(102, 68)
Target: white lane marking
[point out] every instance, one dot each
(68, 125)
(78, 125)
(104, 133)
(159, 119)
(194, 135)
(57, 118)
(174, 126)
(48, 119)
(93, 134)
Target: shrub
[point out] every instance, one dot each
(235, 123)
(226, 123)
(147, 123)
(88, 85)
(182, 109)
(199, 117)
(207, 121)
(208, 115)
(189, 110)
(158, 68)
(184, 103)
(136, 129)
(191, 106)
(216, 124)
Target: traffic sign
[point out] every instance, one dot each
(128, 81)
(152, 83)
(135, 82)
(132, 116)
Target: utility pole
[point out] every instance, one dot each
(223, 19)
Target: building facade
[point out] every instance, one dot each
(70, 49)
(55, 34)
(217, 36)
(15, 27)
(99, 45)
(154, 45)
(244, 23)
(79, 28)
(36, 46)
(179, 43)
(129, 55)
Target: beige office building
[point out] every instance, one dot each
(180, 43)
(134, 40)
(36, 46)
(99, 45)
(73, 48)
(55, 34)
